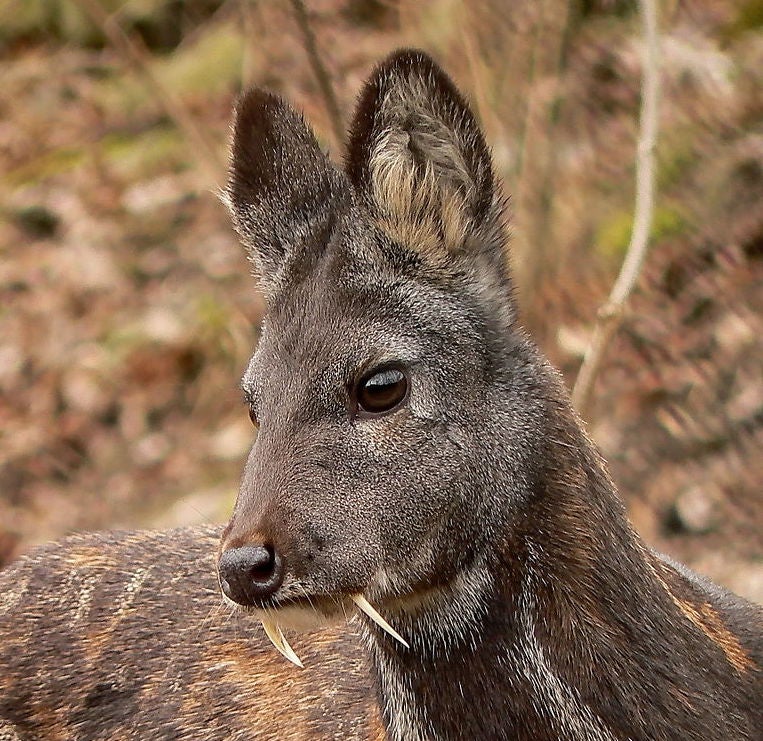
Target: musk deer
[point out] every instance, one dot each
(416, 456)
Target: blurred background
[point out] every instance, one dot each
(127, 313)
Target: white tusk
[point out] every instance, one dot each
(289, 651)
(277, 638)
(364, 605)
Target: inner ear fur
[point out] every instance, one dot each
(282, 189)
(418, 157)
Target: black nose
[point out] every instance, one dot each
(250, 574)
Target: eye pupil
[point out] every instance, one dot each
(382, 391)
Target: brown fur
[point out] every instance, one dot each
(174, 659)
(705, 617)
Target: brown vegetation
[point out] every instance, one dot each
(128, 313)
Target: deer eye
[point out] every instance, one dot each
(381, 391)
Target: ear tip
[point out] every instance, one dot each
(406, 61)
(267, 132)
(407, 65)
(410, 93)
(402, 64)
(255, 107)
(408, 57)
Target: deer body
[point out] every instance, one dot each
(414, 450)
(108, 649)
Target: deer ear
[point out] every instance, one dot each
(282, 189)
(418, 157)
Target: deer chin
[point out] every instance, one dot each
(301, 615)
(305, 616)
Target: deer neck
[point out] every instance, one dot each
(556, 637)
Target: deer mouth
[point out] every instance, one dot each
(308, 612)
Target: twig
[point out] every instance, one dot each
(324, 81)
(611, 313)
(136, 54)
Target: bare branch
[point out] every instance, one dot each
(611, 313)
(321, 74)
(136, 55)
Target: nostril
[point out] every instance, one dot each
(250, 573)
(263, 563)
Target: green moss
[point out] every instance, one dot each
(59, 18)
(126, 93)
(440, 22)
(613, 236)
(209, 65)
(212, 315)
(749, 17)
(212, 64)
(130, 157)
(120, 340)
(21, 19)
(156, 150)
(674, 159)
(668, 222)
(49, 164)
(67, 21)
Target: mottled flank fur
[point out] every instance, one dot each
(477, 517)
(124, 635)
